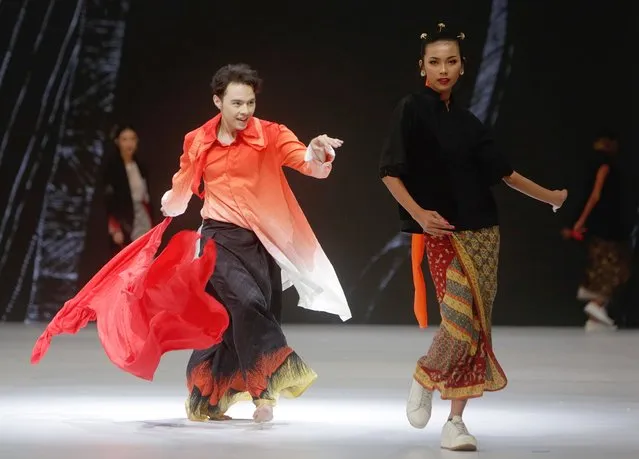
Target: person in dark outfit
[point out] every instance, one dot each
(603, 222)
(440, 162)
(126, 193)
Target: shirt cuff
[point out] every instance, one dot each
(169, 207)
(329, 155)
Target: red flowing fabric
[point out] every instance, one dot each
(146, 306)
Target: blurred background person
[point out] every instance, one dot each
(126, 192)
(603, 223)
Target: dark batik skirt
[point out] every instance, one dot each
(254, 361)
(608, 266)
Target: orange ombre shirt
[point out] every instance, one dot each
(244, 184)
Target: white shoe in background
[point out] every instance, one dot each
(599, 313)
(594, 326)
(584, 294)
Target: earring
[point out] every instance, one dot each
(461, 73)
(422, 73)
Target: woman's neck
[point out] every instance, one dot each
(445, 96)
(128, 159)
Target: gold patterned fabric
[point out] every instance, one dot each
(460, 363)
(608, 266)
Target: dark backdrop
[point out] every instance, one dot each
(339, 68)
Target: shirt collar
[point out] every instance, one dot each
(253, 134)
(432, 93)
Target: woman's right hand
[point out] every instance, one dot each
(118, 238)
(433, 223)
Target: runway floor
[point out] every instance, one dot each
(570, 395)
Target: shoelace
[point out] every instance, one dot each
(461, 427)
(426, 397)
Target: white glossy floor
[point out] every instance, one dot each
(571, 395)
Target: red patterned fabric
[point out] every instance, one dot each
(440, 254)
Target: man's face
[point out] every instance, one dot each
(237, 105)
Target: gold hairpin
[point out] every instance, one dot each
(441, 26)
(423, 36)
(461, 36)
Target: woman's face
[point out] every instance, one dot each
(606, 145)
(443, 65)
(127, 142)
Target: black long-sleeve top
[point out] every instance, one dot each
(447, 160)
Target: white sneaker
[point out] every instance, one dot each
(455, 436)
(584, 294)
(594, 326)
(419, 405)
(599, 313)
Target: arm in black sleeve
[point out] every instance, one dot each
(393, 160)
(106, 186)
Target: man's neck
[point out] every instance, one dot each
(224, 134)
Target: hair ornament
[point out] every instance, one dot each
(461, 35)
(423, 36)
(441, 26)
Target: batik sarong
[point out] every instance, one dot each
(460, 363)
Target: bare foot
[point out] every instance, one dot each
(263, 413)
